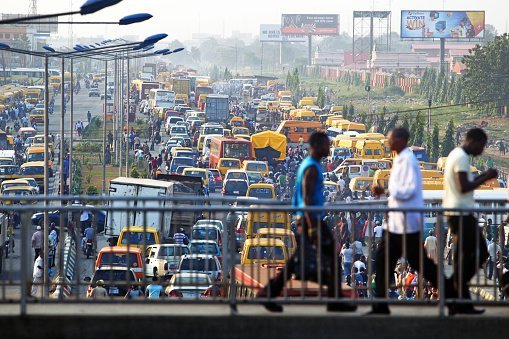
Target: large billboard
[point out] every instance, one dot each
(272, 33)
(310, 24)
(442, 24)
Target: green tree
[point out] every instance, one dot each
(391, 124)
(321, 96)
(448, 143)
(351, 112)
(417, 130)
(434, 149)
(227, 74)
(382, 121)
(405, 123)
(485, 82)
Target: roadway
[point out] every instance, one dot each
(82, 103)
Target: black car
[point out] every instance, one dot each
(54, 216)
(94, 92)
(235, 187)
(117, 280)
(108, 96)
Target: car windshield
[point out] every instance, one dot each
(16, 192)
(198, 174)
(9, 170)
(230, 163)
(183, 161)
(36, 156)
(186, 154)
(113, 275)
(178, 130)
(198, 264)
(266, 252)
(254, 177)
(256, 167)
(119, 259)
(262, 193)
(213, 130)
(236, 175)
(136, 238)
(202, 233)
(204, 248)
(194, 280)
(173, 251)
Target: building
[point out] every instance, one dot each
(321, 58)
(409, 63)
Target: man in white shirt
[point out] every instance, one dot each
(347, 255)
(494, 251)
(431, 246)
(378, 230)
(459, 186)
(405, 188)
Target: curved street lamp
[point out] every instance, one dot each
(89, 7)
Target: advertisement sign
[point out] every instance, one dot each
(272, 33)
(310, 24)
(442, 24)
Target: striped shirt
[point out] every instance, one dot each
(179, 238)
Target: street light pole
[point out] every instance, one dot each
(71, 126)
(127, 122)
(46, 182)
(104, 124)
(115, 108)
(121, 118)
(62, 176)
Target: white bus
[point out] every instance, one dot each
(30, 75)
(161, 98)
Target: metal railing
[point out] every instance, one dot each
(241, 247)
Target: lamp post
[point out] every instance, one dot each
(89, 7)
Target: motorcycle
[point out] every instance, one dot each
(87, 250)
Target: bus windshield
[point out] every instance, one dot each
(236, 150)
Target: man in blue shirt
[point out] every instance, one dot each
(154, 290)
(309, 193)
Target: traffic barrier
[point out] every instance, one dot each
(63, 280)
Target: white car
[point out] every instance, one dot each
(188, 285)
(163, 259)
(170, 122)
(178, 131)
(235, 174)
(217, 223)
(200, 263)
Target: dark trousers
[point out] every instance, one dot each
(37, 252)
(414, 248)
(332, 281)
(465, 253)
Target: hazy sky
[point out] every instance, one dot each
(180, 18)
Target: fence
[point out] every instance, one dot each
(237, 246)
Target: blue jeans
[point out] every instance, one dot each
(491, 267)
(347, 268)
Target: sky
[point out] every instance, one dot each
(180, 18)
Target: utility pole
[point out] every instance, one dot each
(429, 115)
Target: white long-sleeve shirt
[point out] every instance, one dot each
(405, 188)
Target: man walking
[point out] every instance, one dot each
(405, 188)
(37, 274)
(37, 240)
(459, 186)
(309, 193)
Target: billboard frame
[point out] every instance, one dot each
(307, 33)
(458, 39)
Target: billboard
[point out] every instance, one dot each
(310, 24)
(442, 24)
(272, 33)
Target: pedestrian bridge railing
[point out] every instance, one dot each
(245, 251)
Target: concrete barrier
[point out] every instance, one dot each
(64, 279)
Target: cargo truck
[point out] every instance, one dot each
(217, 108)
(166, 222)
(180, 86)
